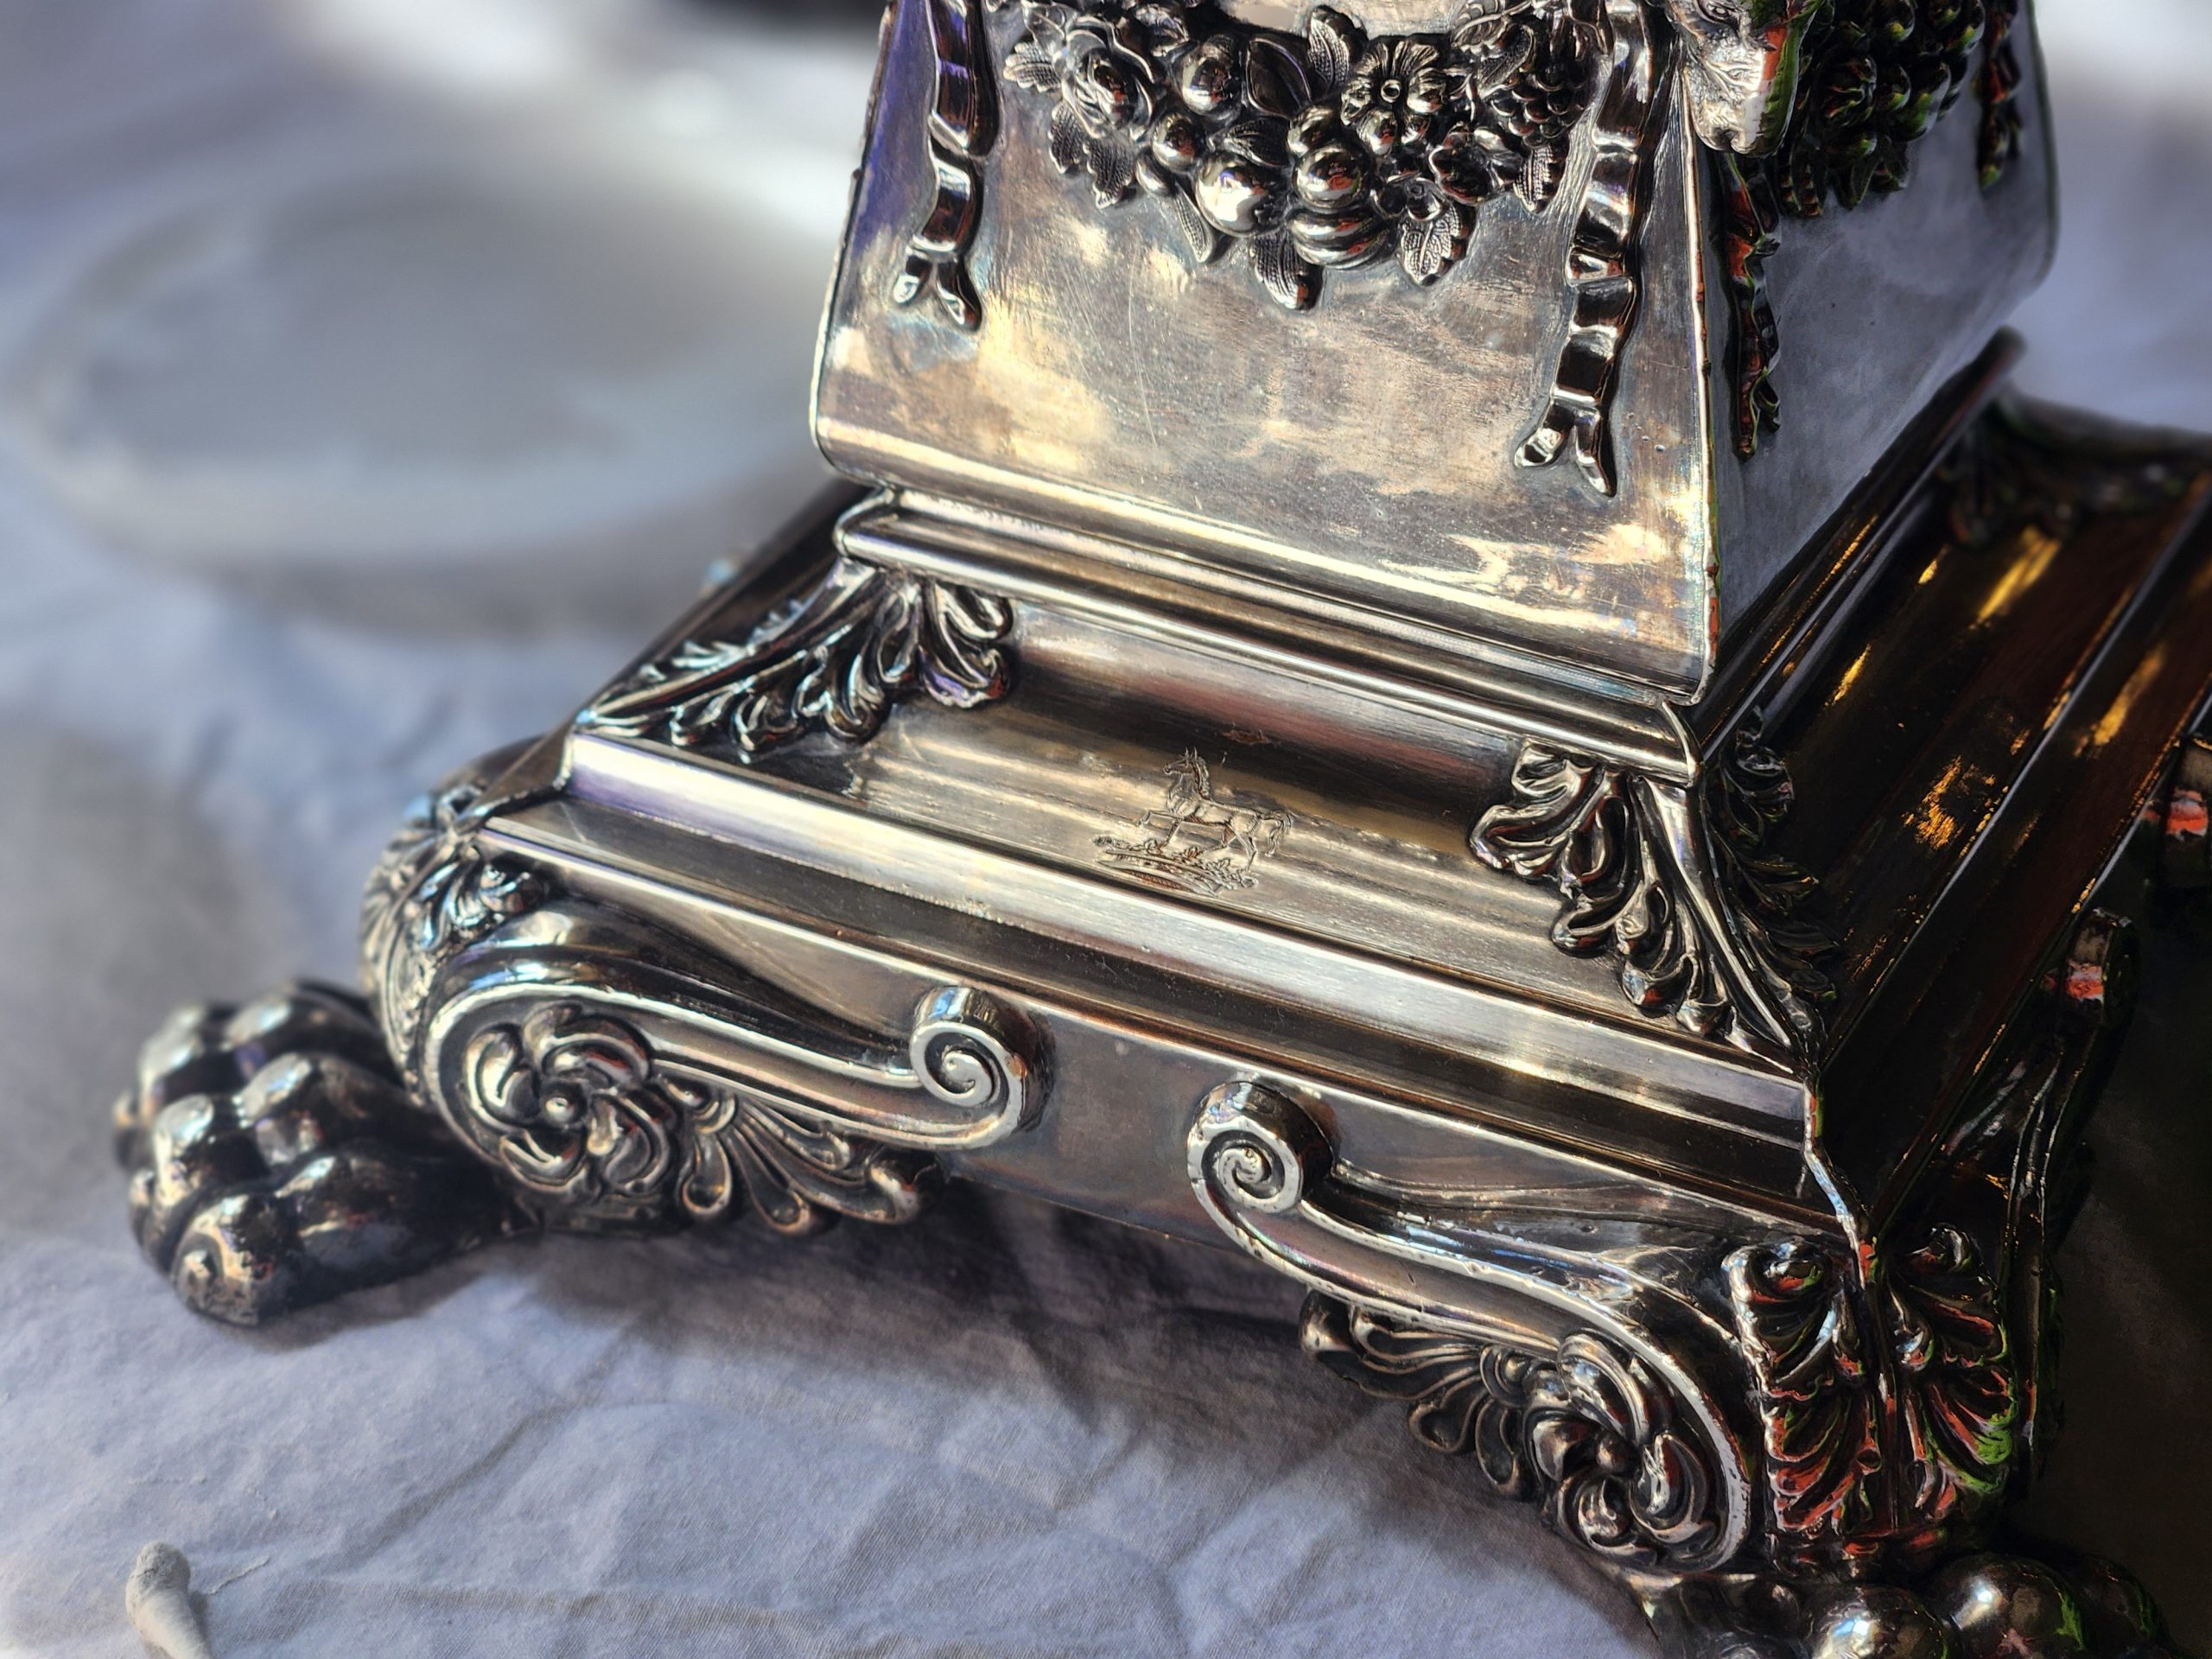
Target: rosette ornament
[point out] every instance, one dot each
(1101, 65)
(576, 1106)
(1394, 96)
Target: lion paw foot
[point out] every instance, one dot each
(276, 1159)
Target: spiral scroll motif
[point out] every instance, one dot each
(838, 657)
(974, 1054)
(1255, 1150)
(1709, 925)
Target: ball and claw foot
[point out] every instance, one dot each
(276, 1159)
(1985, 1606)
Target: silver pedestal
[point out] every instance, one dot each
(1337, 725)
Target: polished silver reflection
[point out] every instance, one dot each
(1637, 940)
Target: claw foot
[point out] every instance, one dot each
(1985, 1606)
(276, 1161)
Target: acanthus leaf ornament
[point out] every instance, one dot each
(1959, 1394)
(1891, 1409)
(1819, 1415)
(1586, 1431)
(837, 658)
(433, 893)
(633, 985)
(1710, 927)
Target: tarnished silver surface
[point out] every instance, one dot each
(1637, 940)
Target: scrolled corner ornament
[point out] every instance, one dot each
(1811, 1382)
(1585, 1432)
(620, 1078)
(433, 893)
(577, 1109)
(1709, 925)
(837, 659)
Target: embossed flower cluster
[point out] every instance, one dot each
(1325, 153)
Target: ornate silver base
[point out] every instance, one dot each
(1579, 1434)
(1677, 1114)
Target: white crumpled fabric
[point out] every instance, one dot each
(1005, 1431)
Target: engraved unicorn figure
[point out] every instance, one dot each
(1194, 840)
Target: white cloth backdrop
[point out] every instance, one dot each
(375, 375)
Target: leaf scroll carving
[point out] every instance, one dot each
(434, 891)
(1891, 1409)
(1708, 924)
(838, 658)
(1587, 1431)
(575, 1106)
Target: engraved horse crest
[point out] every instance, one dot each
(1195, 841)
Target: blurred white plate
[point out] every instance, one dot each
(543, 323)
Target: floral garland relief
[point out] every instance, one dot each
(1326, 153)
(1336, 150)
